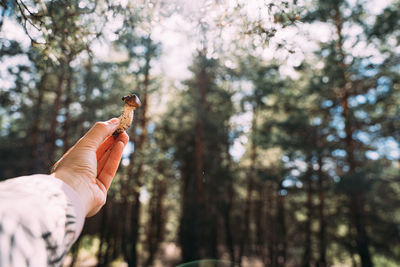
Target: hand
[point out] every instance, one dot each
(90, 165)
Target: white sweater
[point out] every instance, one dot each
(40, 218)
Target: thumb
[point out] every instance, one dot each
(100, 131)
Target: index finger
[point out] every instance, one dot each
(98, 133)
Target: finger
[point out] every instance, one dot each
(123, 137)
(111, 166)
(104, 147)
(96, 135)
(103, 160)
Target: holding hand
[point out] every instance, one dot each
(90, 165)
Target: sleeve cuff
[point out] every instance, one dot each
(77, 205)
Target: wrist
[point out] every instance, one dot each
(80, 188)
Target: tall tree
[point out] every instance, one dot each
(203, 106)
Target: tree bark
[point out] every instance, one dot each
(88, 91)
(281, 232)
(188, 227)
(193, 207)
(271, 227)
(309, 207)
(36, 153)
(67, 103)
(245, 228)
(103, 229)
(155, 233)
(227, 219)
(321, 216)
(51, 135)
(357, 211)
(141, 140)
(260, 222)
(199, 135)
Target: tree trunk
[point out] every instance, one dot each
(271, 260)
(321, 216)
(189, 226)
(260, 222)
(309, 207)
(144, 110)
(109, 237)
(137, 175)
(155, 233)
(227, 212)
(281, 232)
(132, 253)
(212, 232)
(357, 212)
(199, 150)
(125, 226)
(192, 221)
(51, 135)
(36, 150)
(358, 218)
(227, 222)
(88, 92)
(67, 103)
(103, 230)
(245, 229)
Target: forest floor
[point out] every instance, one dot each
(168, 256)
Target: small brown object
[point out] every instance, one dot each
(125, 120)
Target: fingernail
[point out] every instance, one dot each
(114, 121)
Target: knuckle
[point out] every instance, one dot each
(100, 202)
(100, 125)
(89, 144)
(103, 202)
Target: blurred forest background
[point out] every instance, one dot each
(269, 132)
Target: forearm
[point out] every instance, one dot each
(40, 218)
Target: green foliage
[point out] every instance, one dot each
(317, 184)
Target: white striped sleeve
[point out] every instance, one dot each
(40, 218)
